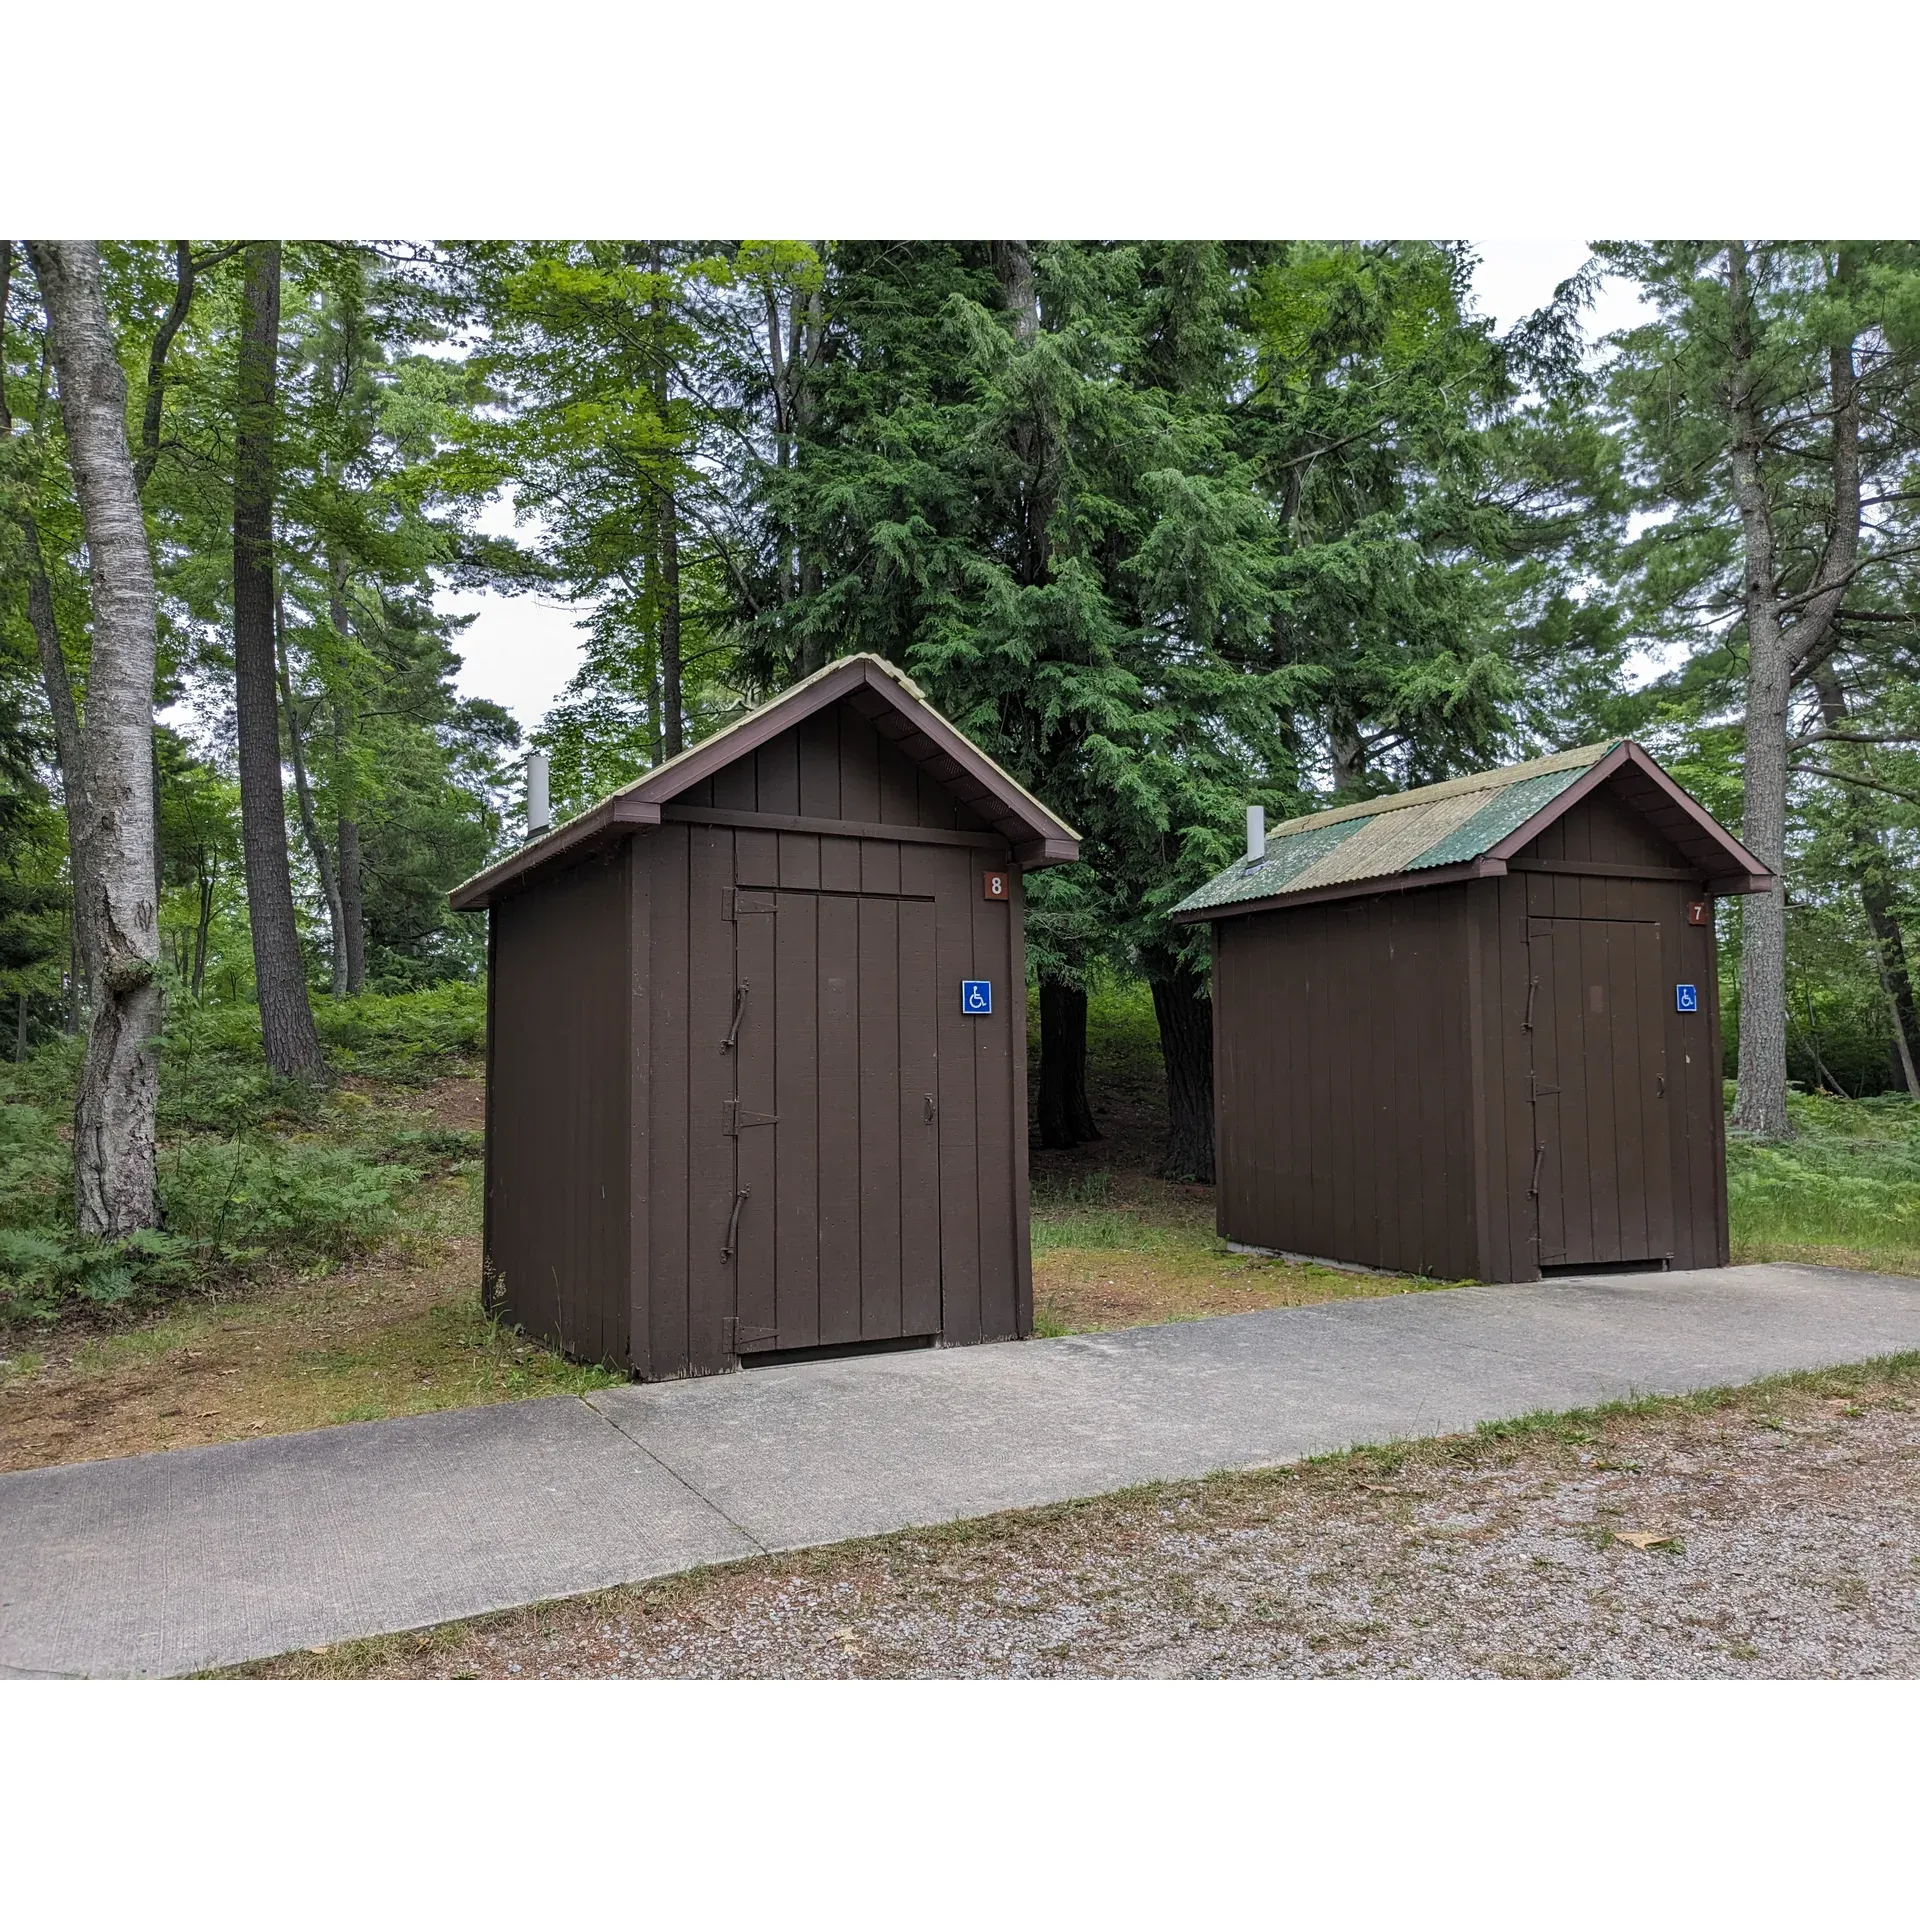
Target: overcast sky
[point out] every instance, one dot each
(521, 651)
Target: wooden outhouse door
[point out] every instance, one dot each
(835, 1122)
(1602, 1145)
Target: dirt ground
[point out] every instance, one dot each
(402, 1332)
(1772, 1531)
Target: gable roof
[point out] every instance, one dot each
(883, 696)
(1468, 829)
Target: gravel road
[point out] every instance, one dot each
(1771, 1531)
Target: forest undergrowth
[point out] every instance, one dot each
(321, 1254)
(255, 1174)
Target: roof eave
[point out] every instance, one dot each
(614, 818)
(1741, 871)
(1481, 869)
(1040, 838)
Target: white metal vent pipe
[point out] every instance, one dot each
(539, 806)
(1256, 833)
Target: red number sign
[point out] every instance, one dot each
(998, 887)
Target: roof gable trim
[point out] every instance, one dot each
(1038, 836)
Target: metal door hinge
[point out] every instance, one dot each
(739, 900)
(741, 1335)
(735, 1117)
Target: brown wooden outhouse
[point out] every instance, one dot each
(1473, 1030)
(756, 1044)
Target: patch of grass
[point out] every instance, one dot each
(1845, 1191)
(403, 1334)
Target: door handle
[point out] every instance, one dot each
(929, 1109)
(1539, 1154)
(1533, 987)
(739, 1011)
(1660, 1086)
(733, 1225)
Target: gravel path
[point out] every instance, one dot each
(1768, 1531)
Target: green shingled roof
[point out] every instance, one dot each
(1438, 826)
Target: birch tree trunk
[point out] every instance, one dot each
(286, 1018)
(116, 911)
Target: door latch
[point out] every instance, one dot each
(733, 1225)
(739, 1013)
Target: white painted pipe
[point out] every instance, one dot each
(1256, 833)
(539, 806)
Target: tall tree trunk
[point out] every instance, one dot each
(286, 1017)
(1065, 1117)
(44, 621)
(200, 933)
(1775, 650)
(1348, 752)
(1184, 1010)
(342, 700)
(113, 1123)
(353, 911)
(1867, 861)
(317, 848)
(666, 531)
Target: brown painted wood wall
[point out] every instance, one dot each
(557, 1107)
(613, 1161)
(1341, 1068)
(1601, 831)
(1375, 1069)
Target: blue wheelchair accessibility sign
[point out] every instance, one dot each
(1686, 999)
(976, 996)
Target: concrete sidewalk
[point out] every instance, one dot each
(171, 1562)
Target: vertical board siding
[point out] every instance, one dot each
(879, 1108)
(865, 1219)
(803, 1099)
(919, 1137)
(1342, 1038)
(558, 1096)
(1001, 1133)
(639, 1039)
(839, 1201)
(711, 1074)
(1651, 1180)
(668, 853)
(755, 1057)
(945, 873)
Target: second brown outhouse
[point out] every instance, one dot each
(1473, 1030)
(756, 1046)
